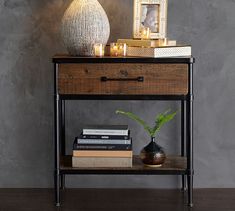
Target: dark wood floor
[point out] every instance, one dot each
(116, 200)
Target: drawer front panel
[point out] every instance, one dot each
(123, 79)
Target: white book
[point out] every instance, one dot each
(119, 130)
(160, 52)
(105, 132)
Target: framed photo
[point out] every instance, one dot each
(150, 14)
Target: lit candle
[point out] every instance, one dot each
(99, 49)
(118, 49)
(114, 49)
(145, 33)
(165, 42)
(122, 49)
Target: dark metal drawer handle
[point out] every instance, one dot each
(105, 79)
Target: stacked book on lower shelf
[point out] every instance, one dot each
(103, 146)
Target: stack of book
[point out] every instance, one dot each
(103, 146)
(156, 48)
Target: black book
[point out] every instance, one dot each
(79, 146)
(115, 147)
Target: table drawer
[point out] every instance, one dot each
(123, 79)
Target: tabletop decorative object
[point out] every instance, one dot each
(153, 154)
(150, 14)
(118, 49)
(84, 24)
(99, 49)
(145, 33)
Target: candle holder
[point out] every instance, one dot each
(98, 49)
(165, 42)
(118, 49)
(145, 33)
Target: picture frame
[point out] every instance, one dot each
(150, 14)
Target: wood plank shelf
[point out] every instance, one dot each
(174, 165)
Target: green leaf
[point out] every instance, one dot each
(136, 118)
(160, 120)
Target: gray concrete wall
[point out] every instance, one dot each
(29, 37)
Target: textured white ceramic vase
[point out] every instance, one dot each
(84, 24)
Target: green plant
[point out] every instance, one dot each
(160, 120)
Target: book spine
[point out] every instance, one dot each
(102, 141)
(140, 52)
(104, 137)
(147, 43)
(173, 51)
(101, 153)
(102, 147)
(138, 43)
(160, 52)
(105, 132)
(79, 162)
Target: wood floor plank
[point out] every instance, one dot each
(116, 200)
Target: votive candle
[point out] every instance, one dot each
(145, 33)
(165, 42)
(118, 49)
(99, 49)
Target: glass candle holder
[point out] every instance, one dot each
(145, 33)
(165, 42)
(99, 50)
(114, 49)
(122, 49)
(118, 49)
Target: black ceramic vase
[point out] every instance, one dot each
(153, 154)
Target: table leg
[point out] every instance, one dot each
(63, 143)
(57, 139)
(183, 140)
(189, 132)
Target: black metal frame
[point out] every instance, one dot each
(186, 120)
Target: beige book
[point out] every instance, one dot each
(147, 43)
(102, 153)
(105, 162)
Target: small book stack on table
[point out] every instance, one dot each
(160, 48)
(103, 146)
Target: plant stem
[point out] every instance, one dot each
(153, 139)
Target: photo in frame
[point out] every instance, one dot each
(150, 14)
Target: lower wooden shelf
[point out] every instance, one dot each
(174, 165)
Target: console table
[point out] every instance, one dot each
(129, 78)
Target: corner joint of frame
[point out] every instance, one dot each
(192, 60)
(192, 98)
(57, 172)
(190, 172)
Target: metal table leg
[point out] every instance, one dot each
(63, 143)
(57, 110)
(183, 139)
(190, 137)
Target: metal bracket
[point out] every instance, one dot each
(191, 98)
